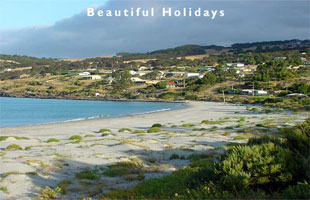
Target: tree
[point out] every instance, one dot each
(161, 85)
(122, 80)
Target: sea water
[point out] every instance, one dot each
(28, 111)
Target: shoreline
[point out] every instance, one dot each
(185, 105)
(99, 99)
(214, 110)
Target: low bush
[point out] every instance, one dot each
(13, 147)
(63, 185)
(245, 166)
(154, 130)
(89, 175)
(3, 138)
(4, 189)
(188, 125)
(124, 168)
(139, 131)
(299, 191)
(264, 168)
(75, 137)
(157, 125)
(52, 140)
(104, 130)
(174, 156)
(124, 129)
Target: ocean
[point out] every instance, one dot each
(28, 111)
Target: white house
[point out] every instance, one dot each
(91, 77)
(84, 74)
(280, 58)
(296, 95)
(173, 74)
(188, 74)
(137, 80)
(235, 65)
(131, 72)
(105, 71)
(260, 93)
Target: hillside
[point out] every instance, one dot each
(188, 50)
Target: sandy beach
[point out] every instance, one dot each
(42, 162)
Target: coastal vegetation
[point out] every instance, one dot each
(236, 156)
(13, 147)
(266, 167)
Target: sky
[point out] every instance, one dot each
(62, 29)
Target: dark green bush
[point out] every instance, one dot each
(246, 166)
(263, 140)
(298, 141)
(157, 125)
(300, 191)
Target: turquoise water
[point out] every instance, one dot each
(27, 111)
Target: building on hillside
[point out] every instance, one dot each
(260, 93)
(131, 72)
(91, 69)
(109, 79)
(84, 74)
(91, 77)
(189, 75)
(174, 74)
(105, 71)
(280, 58)
(235, 65)
(24, 75)
(299, 95)
(170, 84)
(151, 82)
(143, 68)
(255, 92)
(247, 92)
(138, 80)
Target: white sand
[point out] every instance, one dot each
(46, 164)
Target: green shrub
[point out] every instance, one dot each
(52, 140)
(4, 189)
(3, 138)
(157, 125)
(124, 129)
(259, 125)
(300, 191)
(13, 147)
(75, 137)
(90, 135)
(298, 141)
(139, 131)
(246, 166)
(199, 129)
(49, 193)
(165, 187)
(174, 156)
(104, 130)
(90, 175)
(154, 130)
(63, 185)
(263, 140)
(124, 168)
(188, 125)
(116, 172)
